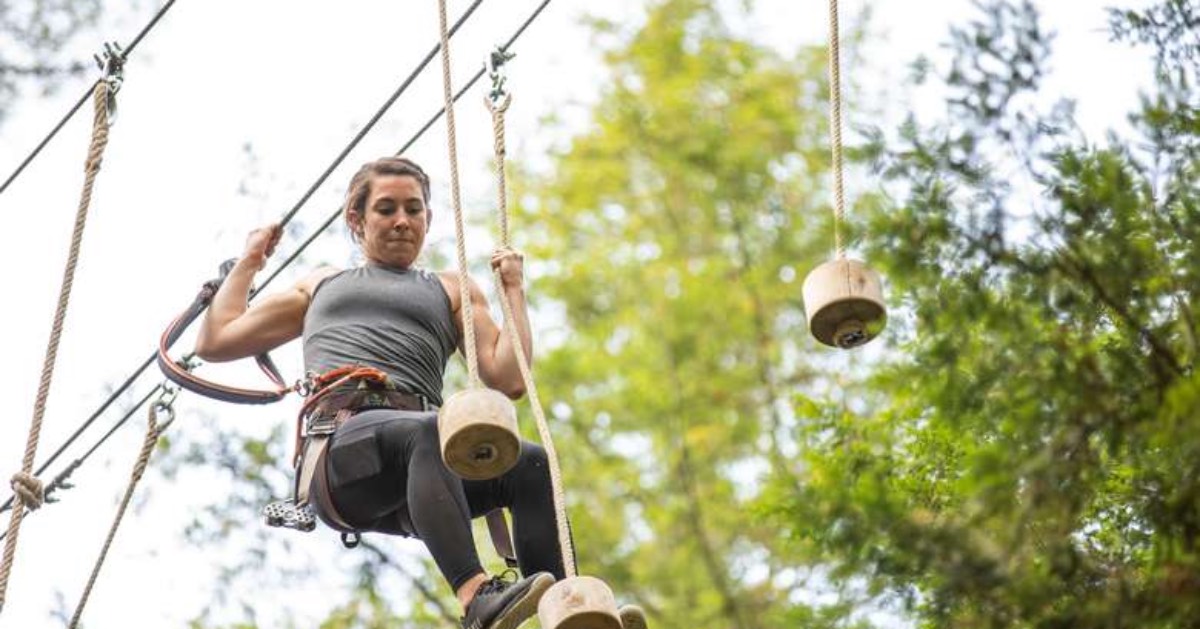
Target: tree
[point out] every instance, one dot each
(32, 35)
(1037, 461)
(673, 232)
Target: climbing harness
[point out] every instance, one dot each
(843, 298)
(23, 484)
(333, 397)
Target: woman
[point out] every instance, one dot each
(383, 470)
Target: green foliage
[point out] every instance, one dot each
(32, 35)
(1036, 464)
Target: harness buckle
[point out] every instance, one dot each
(320, 424)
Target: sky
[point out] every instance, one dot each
(229, 112)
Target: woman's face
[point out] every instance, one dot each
(391, 229)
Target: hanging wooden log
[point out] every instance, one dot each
(844, 302)
(579, 603)
(478, 433)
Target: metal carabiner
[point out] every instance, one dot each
(165, 404)
(307, 385)
(167, 397)
(112, 62)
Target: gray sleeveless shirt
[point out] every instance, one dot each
(397, 321)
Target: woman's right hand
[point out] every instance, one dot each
(260, 244)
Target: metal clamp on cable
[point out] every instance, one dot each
(112, 62)
(494, 64)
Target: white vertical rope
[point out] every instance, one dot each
(100, 124)
(456, 198)
(560, 512)
(835, 129)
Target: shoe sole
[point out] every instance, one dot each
(632, 617)
(521, 609)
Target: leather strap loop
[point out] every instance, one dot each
(180, 374)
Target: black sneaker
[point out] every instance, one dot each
(503, 604)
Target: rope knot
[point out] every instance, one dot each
(29, 488)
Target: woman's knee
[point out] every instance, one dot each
(426, 435)
(533, 460)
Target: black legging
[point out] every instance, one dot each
(386, 474)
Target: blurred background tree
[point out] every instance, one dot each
(1037, 463)
(1021, 448)
(672, 231)
(33, 35)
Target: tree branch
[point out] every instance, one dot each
(1084, 272)
(763, 340)
(716, 568)
(429, 595)
(40, 70)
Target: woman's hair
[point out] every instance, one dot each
(360, 185)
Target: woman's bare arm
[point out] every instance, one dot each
(233, 329)
(498, 367)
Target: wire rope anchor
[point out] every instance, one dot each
(112, 62)
(494, 64)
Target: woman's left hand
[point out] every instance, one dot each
(511, 264)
